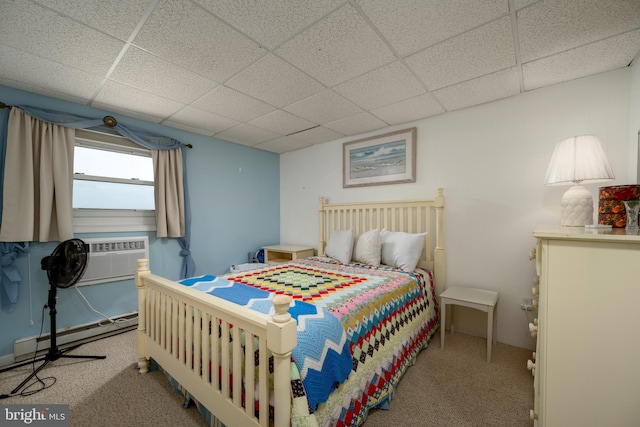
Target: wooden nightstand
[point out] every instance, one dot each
(277, 254)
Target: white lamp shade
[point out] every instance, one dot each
(579, 159)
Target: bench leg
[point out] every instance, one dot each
(490, 338)
(443, 323)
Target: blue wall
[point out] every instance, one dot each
(235, 204)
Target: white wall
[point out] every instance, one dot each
(491, 160)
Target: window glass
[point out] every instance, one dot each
(111, 195)
(112, 179)
(91, 161)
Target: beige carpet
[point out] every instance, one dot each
(455, 387)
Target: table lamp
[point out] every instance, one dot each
(575, 161)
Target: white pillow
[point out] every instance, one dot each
(366, 248)
(401, 250)
(340, 246)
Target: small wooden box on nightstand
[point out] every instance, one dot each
(277, 254)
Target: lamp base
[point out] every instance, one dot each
(576, 207)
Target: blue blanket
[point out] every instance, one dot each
(322, 355)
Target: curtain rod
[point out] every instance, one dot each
(107, 120)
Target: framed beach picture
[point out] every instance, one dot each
(380, 159)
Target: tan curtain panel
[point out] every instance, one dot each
(38, 181)
(169, 192)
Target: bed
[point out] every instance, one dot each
(261, 336)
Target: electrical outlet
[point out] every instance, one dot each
(526, 304)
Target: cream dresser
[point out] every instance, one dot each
(587, 361)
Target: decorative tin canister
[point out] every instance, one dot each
(611, 204)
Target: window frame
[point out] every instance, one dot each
(87, 220)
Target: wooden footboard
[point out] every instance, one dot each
(174, 329)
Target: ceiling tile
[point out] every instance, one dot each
(228, 102)
(282, 145)
(339, 47)
(55, 78)
(473, 54)
(282, 122)
(408, 110)
(478, 91)
(142, 70)
(41, 91)
(386, 85)
(186, 34)
(115, 95)
(317, 135)
(286, 84)
(608, 54)
(550, 27)
(42, 32)
(271, 22)
(323, 107)
(247, 135)
(116, 18)
(411, 25)
(205, 122)
(358, 123)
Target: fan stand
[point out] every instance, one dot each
(54, 352)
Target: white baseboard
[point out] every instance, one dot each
(25, 348)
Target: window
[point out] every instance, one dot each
(112, 184)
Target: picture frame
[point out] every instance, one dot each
(384, 159)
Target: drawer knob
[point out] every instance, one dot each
(535, 291)
(536, 280)
(534, 303)
(530, 365)
(533, 329)
(533, 415)
(532, 254)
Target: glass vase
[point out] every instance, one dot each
(632, 208)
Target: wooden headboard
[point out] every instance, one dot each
(411, 216)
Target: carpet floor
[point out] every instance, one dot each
(455, 387)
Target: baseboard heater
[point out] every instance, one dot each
(25, 348)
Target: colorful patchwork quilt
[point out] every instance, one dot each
(385, 317)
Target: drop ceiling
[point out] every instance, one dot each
(281, 75)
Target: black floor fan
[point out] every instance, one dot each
(65, 266)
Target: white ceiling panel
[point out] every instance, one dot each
(282, 122)
(186, 34)
(386, 85)
(358, 123)
(47, 75)
(246, 134)
(252, 72)
(199, 121)
(228, 102)
(475, 53)
(411, 25)
(286, 84)
(32, 28)
(479, 91)
(410, 109)
(324, 107)
(117, 18)
(149, 73)
(283, 144)
(128, 98)
(582, 61)
(549, 27)
(271, 22)
(317, 135)
(338, 48)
